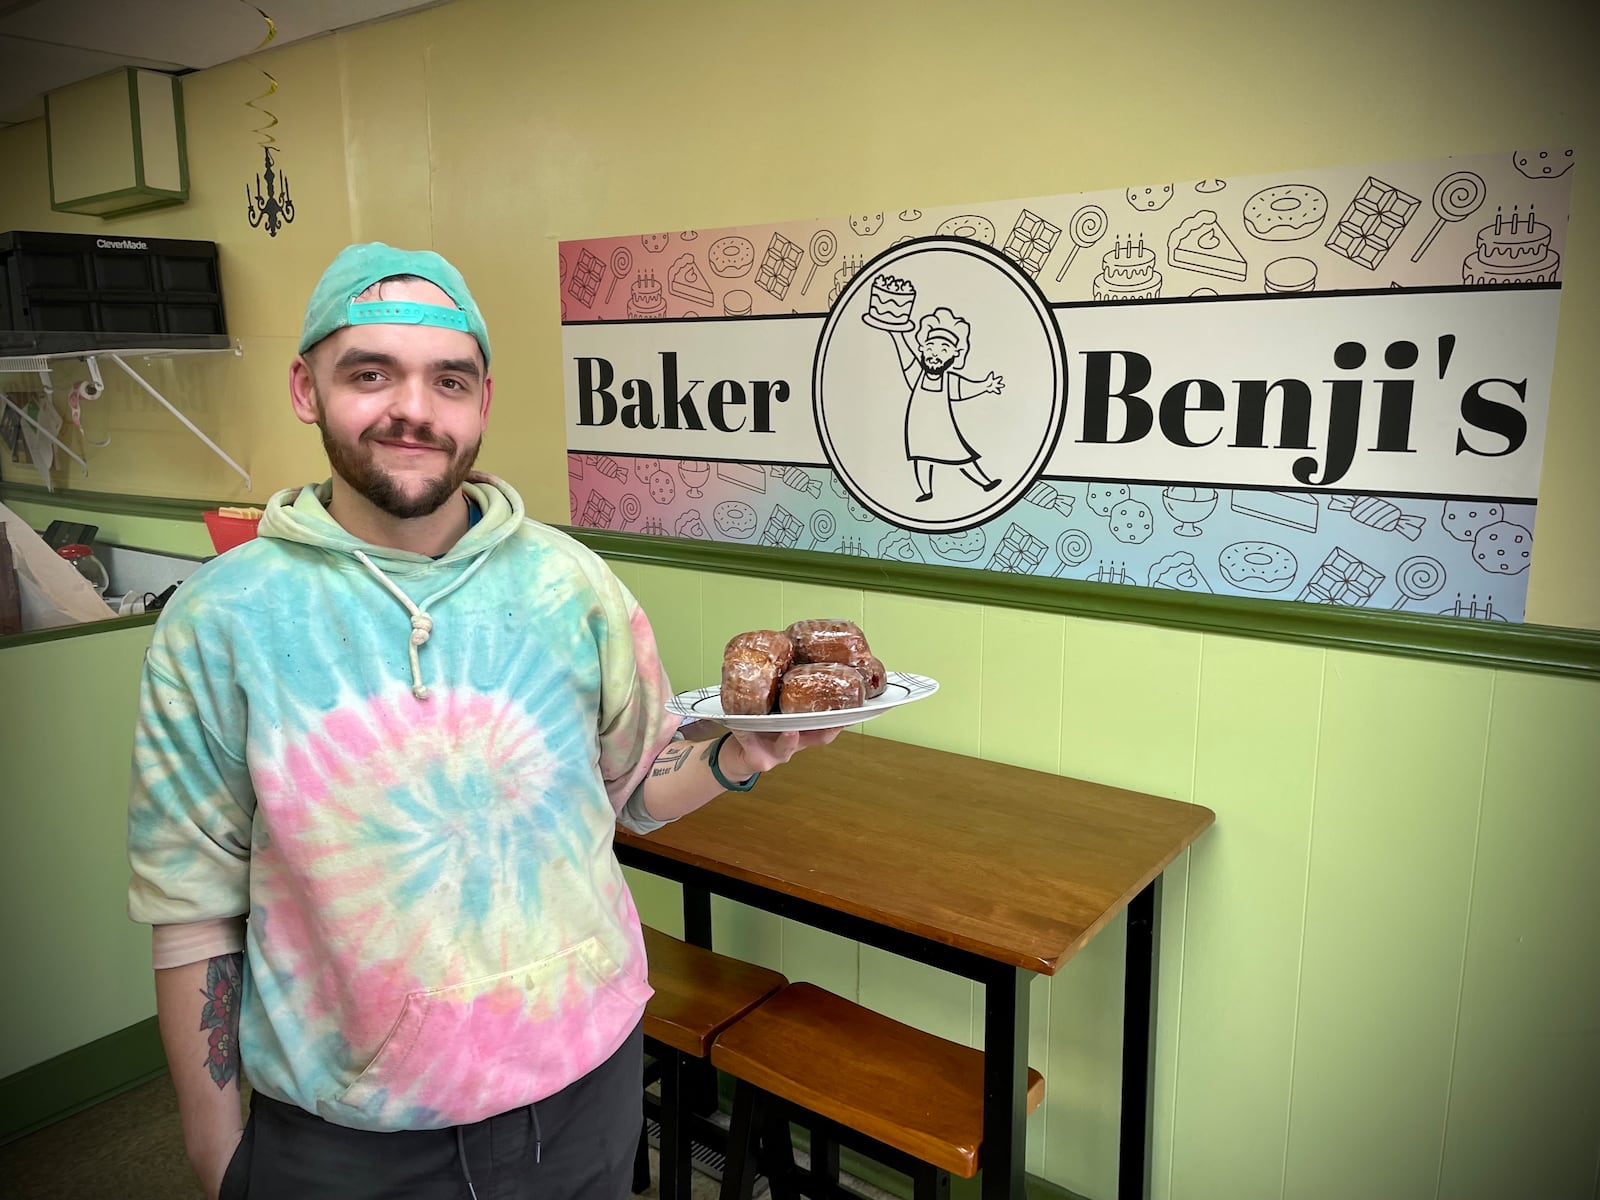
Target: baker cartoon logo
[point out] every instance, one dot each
(939, 385)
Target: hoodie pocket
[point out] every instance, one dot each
(444, 1034)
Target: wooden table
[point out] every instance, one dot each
(988, 871)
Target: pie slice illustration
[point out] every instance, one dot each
(1199, 244)
(685, 281)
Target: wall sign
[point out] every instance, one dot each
(1328, 386)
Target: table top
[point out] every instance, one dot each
(1018, 866)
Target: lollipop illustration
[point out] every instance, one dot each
(1087, 227)
(821, 527)
(823, 247)
(621, 264)
(1072, 547)
(1418, 578)
(1456, 198)
(630, 510)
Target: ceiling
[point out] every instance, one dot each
(47, 44)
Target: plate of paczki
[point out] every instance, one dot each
(816, 674)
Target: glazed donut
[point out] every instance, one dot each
(750, 682)
(1285, 213)
(832, 641)
(771, 642)
(821, 687)
(1258, 566)
(873, 675)
(731, 257)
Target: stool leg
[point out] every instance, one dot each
(824, 1160)
(739, 1171)
(676, 1164)
(930, 1183)
(641, 1162)
(777, 1152)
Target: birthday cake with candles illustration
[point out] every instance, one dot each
(1513, 249)
(1128, 272)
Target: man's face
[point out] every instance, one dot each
(401, 408)
(937, 354)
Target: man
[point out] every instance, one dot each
(395, 732)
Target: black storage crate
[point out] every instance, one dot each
(63, 292)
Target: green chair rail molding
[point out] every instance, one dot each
(1543, 649)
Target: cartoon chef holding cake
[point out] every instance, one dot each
(931, 361)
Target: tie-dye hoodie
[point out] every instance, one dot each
(438, 928)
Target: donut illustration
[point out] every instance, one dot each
(734, 519)
(973, 228)
(1285, 213)
(731, 257)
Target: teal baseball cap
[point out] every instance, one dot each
(356, 268)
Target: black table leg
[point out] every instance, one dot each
(700, 1078)
(1005, 1082)
(1139, 1044)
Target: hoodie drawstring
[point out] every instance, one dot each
(421, 622)
(461, 1148)
(466, 1171)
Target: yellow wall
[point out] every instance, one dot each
(492, 128)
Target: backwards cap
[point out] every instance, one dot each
(333, 303)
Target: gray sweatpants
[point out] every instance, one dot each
(575, 1145)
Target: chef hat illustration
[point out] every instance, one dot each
(942, 323)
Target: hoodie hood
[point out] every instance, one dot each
(301, 515)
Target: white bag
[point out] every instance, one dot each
(53, 593)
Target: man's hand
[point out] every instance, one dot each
(763, 751)
(211, 1163)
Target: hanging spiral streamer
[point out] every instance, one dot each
(263, 131)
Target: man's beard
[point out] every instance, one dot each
(356, 466)
(937, 368)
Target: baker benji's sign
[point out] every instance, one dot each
(1329, 386)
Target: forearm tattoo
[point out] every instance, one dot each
(224, 980)
(671, 760)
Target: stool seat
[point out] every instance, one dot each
(921, 1094)
(698, 992)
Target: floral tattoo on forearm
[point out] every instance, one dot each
(224, 979)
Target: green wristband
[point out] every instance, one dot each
(716, 769)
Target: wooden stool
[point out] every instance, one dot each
(908, 1098)
(698, 995)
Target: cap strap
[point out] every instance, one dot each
(406, 312)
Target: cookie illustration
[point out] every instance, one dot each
(1132, 522)
(1103, 497)
(1503, 548)
(1463, 518)
(866, 224)
(1150, 199)
(662, 489)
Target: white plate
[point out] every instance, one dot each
(705, 704)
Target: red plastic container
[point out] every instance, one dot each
(228, 532)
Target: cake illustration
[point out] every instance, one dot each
(889, 302)
(644, 297)
(1128, 273)
(1512, 251)
(848, 267)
